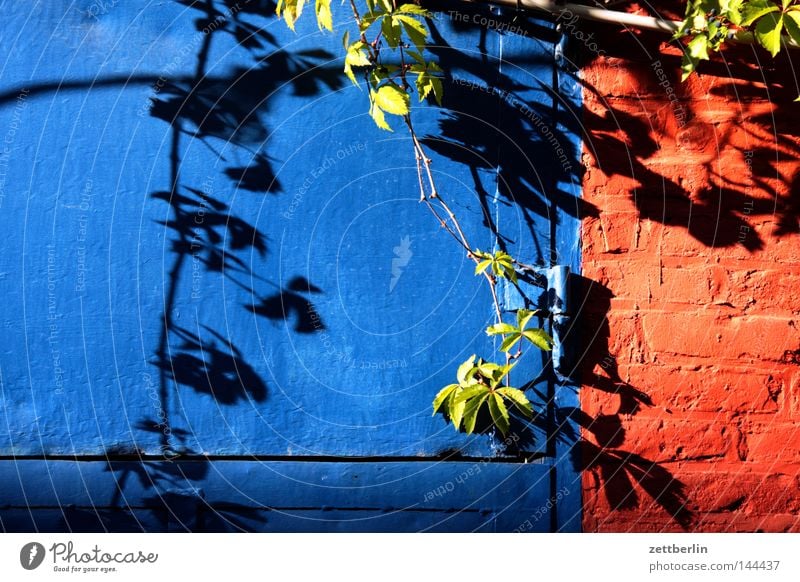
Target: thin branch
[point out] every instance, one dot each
(461, 238)
(423, 161)
(357, 18)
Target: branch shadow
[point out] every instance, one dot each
(524, 150)
(724, 207)
(232, 109)
(620, 474)
(169, 497)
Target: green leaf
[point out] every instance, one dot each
(489, 369)
(510, 342)
(424, 85)
(518, 398)
(688, 66)
(524, 316)
(290, 11)
(471, 412)
(481, 267)
(792, 25)
(376, 113)
(348, 70)
(470, 392)
(698, 48)
(755, 9)
(391, 31)
(377, 76)
(392, 99)
(540, 338)
(494, 372)
(499, 412)
(357, 55)
(416, 56)
(416, 30)
(370, 19)
(456, 410)
(438, 90)
(443, 395)
(768, 32)
(499, 328)
(412, 9)
(699, 22)
(503, 266)
(324, 16)
(732, 9)
(379, 118)
(464, 369)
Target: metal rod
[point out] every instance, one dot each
(589, 13)
(616, 17)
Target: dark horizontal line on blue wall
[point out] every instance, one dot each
(532, 458)
(191, 494)
(224, 506)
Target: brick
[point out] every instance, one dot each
(647, 282)
(626, 340)
(636, 522)
(598, 403)
(794, 394)
(774, 494)
(773, 442)
(709, 388)
(738, 522)
(726, 487)
(730, 522)
(667, 439)
(712, 336)
(618, 499)
(764, 290)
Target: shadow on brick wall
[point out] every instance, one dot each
(719, 175)
(626, 480)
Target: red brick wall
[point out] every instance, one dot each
(691, 398)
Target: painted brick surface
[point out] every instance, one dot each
(690, 403)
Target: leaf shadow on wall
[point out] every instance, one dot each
(625, 479)
(726, 177)
(493, 126)
(731, 191)
(231, 109)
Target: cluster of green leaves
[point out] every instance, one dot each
(290, 11)
(404, 30)
(502, 264)
(400, 29)
(512, 334)
(487, 383)
(708, 24)
(481, 383)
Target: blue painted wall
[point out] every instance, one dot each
(211, 250)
